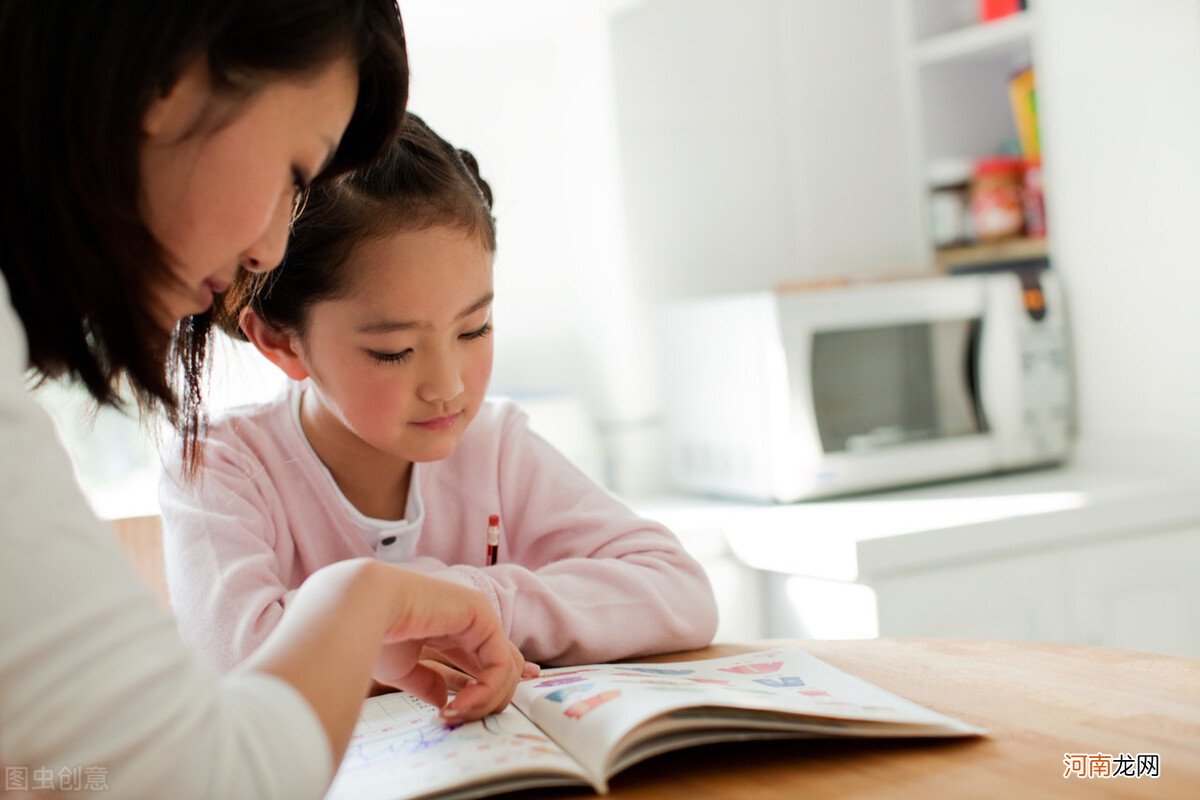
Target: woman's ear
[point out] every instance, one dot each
(278, 347)
(175, 112)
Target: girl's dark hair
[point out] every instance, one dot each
(76, 79)
(420, 181)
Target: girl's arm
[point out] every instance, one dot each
(232, 566)
(580, 578)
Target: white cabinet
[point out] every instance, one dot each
(958, 72)
(1139, 592)
(1142, 593)
(1013, 598)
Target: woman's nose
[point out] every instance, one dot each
(267, 252)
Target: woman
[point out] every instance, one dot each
(155, 147)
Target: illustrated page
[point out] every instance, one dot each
(401, 748)
(588, 710)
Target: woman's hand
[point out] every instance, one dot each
(329, 640)
(390, 671)
(447, 638)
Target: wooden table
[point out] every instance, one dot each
(1038, 702)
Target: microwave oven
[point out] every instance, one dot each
(789, 395)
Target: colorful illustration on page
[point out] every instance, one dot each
(581, 709)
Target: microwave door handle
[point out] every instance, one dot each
(974, 375)
(998, 365)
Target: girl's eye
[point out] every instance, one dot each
(478, 333)
(391, 358)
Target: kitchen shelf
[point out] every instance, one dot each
(1018, 249)
(1006, 38)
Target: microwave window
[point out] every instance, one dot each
(884, 386)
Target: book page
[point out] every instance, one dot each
(595, 712)
(402, 749)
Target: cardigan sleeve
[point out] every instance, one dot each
(581, 577)
(224, 554)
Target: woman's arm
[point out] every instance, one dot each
(343, 612)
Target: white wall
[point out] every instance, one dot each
(644, 151)
(762, 141)
(527, 86)
(1119, 85)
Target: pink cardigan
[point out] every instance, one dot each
(580, 578)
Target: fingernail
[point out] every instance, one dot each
(449, 713)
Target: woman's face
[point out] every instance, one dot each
(220, 175)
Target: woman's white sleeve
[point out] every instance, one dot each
(96, 688)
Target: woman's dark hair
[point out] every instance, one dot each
(76, 79)
(419, 182)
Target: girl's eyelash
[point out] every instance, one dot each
(479, 333)
(391, 358)
(405, 355)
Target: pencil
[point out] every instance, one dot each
(493, 539)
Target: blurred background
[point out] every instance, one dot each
(644, 152)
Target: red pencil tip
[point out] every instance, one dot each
(494, 519)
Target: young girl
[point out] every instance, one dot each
(384, 444)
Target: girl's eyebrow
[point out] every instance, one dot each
(390, 325)
(478, 304)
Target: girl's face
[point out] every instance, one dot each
(220, 175)
(400, 365)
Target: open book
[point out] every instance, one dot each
(582, 725)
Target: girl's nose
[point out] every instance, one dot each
(441, 381)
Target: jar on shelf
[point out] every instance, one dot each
(997, 204)
(949, 201)
(1035, 203)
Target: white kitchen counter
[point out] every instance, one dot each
(1104, 492)
(1104, 550)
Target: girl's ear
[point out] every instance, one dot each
(278, 347)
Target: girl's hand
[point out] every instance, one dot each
(457, 625)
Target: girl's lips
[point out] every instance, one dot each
(439, 423)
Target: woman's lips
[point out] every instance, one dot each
(439, 423)
(210, 289)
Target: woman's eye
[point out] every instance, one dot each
(300, 187)
(391, 358)
(478, 333)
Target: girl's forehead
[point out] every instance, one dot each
(429, 255)
(420, 277)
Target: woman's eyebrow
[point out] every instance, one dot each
(391, 325)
